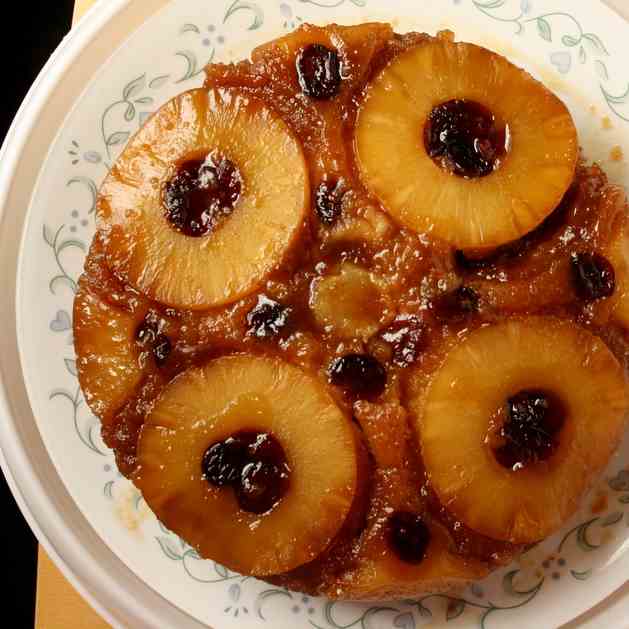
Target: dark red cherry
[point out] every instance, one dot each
(462, 137)
(253, 464)
(261, 486)
(594, 276)
(268, 318)
(224, 461)
(319, 72)
(360, 374)
(202, 193)
(530, 433)
(408, 536)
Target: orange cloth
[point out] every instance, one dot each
(59, 606)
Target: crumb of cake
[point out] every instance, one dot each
(606, 123)
(616, 154)
(130, 509)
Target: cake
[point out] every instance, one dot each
(355, 317)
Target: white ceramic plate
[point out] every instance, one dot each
(72, 126)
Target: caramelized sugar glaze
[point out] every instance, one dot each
(365, 305)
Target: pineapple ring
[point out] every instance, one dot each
(479, 213)
(475, 380)
(206, 405)
(234, 259)
(108, 359)
(619, 257)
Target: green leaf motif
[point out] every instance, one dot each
(169, 548)
(71, 243)
(48, 234)
(71, 366)
(137, 501)
(568, 40)
(129, 114)
(190, 28)
(365, 620)
(264, 596)
(119, 137)
(145, 100)
(455, 609)
(492, 4)
(612, 518)
(192, 65)
(597, 43)
(64, 280)
(89, 184)
(424, 612)
(509, 587)
(582, 55)
(544, 29)
(581, 576)
(582, 537)
(405, 621)
(159, 81)
(108, 489)
(244, 5)
(133, 88)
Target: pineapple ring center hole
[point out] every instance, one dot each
(253, 464)
(526, 429)
(201, 194)
(464, 138)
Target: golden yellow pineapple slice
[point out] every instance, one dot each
(487, 189)
(108, 356)
(351, 303)
(205, 200)
(619, 258)
(229, 400)
(516, 423)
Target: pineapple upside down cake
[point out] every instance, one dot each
(356, 316)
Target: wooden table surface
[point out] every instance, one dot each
(59, 606)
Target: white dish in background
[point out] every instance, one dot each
(89, 518)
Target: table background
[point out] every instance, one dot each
(58, 605)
